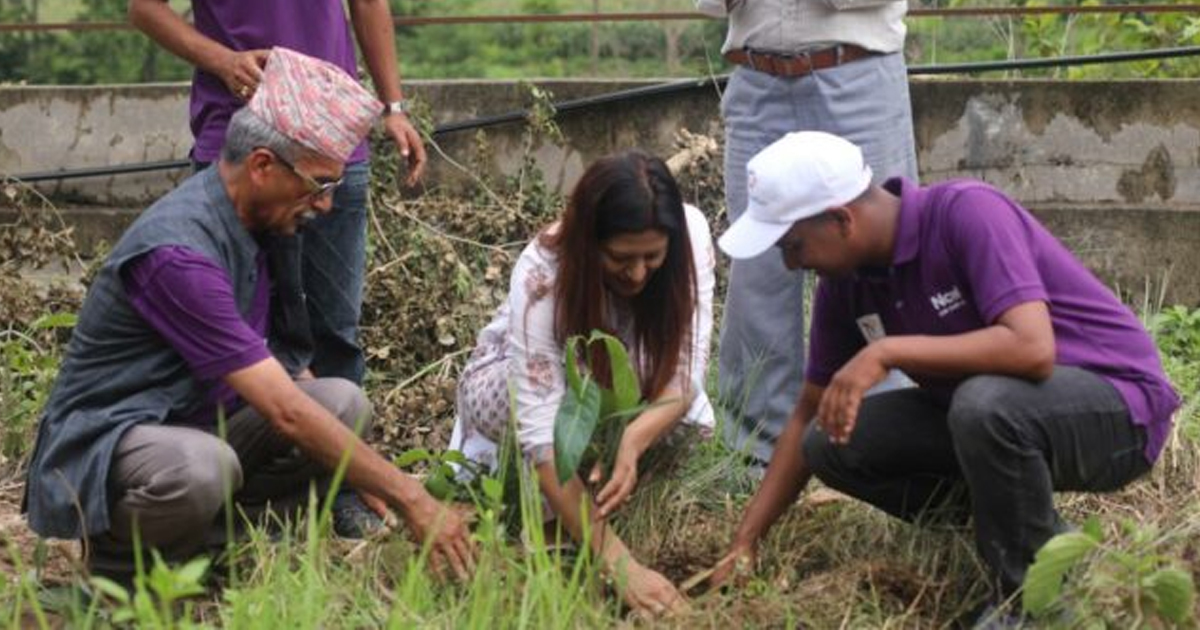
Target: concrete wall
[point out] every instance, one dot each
(1111, 166)
(1122, 142)
(51, 128)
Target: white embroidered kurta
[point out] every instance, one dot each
(519, 347)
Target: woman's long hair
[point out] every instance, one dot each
(626, 193)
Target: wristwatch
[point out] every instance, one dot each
(396, 107)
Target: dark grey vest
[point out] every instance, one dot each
(118, 372)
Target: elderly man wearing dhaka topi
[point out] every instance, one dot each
(184, 328)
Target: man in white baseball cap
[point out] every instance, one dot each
(798, 177)
(1031, 375)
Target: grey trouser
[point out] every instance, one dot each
(762, 331)
(172, 480)
(998, 453)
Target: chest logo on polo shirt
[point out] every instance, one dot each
(871, 327)
(948, 301)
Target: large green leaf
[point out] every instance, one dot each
(187, 579)
(451, 456)
(1173, 592)
(574, 425)
(574, 380)
(111, 589)
(412, 456)
(439, 485)
(626, 391)
(1043, 581)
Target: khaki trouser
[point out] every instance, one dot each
(172, 480)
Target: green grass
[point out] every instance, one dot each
(829, 563)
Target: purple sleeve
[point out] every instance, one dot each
(991, 242)
(833, 338)
(189, 300)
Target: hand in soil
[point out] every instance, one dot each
(649, 593)
(620, 485)
(445, 530)
(732, 570)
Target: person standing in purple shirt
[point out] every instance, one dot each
(1032, 377)
(228, 44)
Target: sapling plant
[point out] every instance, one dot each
(451, 476)
(591, 418)
(442, 480)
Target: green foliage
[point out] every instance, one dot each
(443, 481)
(1121, 579)
(1177, 332)
(954, 40)
(618, 49)
(152, 602)
(1043, 581)
(495, 496)
(576, 419)
(71, 57)
(592, 418)
(27, 371)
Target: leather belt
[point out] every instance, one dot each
(797, 64)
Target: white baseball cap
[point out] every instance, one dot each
(797, 177)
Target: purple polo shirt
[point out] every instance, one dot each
(965, 254)
(189, 300)
(317, 28)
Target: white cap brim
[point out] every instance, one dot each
(749, 237)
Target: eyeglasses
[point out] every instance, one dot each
(316, 188)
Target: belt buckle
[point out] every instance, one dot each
(808, 62)
(750, 62)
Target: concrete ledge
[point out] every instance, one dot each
(1134, 249)
(1113, 167)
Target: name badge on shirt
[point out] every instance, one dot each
(871, 327)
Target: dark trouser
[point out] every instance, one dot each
(997, 453)
(172, 480)
(335, 255)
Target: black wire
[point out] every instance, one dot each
(656, 90)
(1083, 60)
(99, 171)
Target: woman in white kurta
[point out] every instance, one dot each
(627, 257)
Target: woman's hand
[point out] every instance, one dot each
(624, 476)
(648, 592)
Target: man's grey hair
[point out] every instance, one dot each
(247, 132)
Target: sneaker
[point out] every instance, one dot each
(352, 518)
